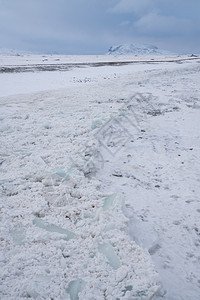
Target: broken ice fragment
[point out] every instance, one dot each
(109, 201)
(53, 228)
(87, 215)
(18, 235)
(108, 251)
(96, 124)
(74, 288)
(123, 112)
(126, 289)
(121, 274)
(141, 293)
(31, 293)
(61, 173)
(37, 286)
(47, 126)
(92, 254)
(145, 235)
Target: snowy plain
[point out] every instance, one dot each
(100, 177)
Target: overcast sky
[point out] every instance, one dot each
(92, 26)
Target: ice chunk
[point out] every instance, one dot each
(47, 126)
(37, 286)
(61, 173)
(109, 201)
(121, 273)
(96, 124)
(74, 288)
(123, 112)
(53, 228)
(31, 293)
(18, 235)
(145, 235)
(108, 251)
(126, 289)
(87, 215)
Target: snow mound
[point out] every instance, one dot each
(136, 49)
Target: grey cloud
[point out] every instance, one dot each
(155, 24)
(129, 6)
(165, 20)
(91, 26)
(64, 22)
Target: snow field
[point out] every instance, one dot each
(81, 213)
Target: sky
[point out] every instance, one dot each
(92, 26)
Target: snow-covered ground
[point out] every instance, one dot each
(100, 178)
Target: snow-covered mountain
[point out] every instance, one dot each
(136, 49)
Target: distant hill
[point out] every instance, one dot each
(14, 52)
(137, 50)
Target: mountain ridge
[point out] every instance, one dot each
(137, 50)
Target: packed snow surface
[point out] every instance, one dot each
(100, 178)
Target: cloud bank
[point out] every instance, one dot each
(91, 26)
